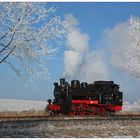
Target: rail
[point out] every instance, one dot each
(67, 118)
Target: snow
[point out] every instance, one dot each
(21, 105)
(36, 105)
(131, 107)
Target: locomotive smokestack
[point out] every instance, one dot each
(62, 81)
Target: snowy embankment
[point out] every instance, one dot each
(34, 105)
(132, 107)
(21, 105)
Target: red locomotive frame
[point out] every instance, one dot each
(86, 107)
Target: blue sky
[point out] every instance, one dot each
(94, 19)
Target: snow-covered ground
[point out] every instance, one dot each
(34, 105)
(21, 105)
(132, 107)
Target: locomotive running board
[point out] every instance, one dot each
(84, 102)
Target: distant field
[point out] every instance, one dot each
(11, 105)
(21, 105)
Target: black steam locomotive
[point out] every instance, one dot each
(98, 98)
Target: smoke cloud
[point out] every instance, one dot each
(79, 61)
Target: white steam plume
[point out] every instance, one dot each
(79, 61)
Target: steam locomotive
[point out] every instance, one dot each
(97, 98)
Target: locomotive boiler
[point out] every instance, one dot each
(97, 98)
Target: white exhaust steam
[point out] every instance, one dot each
(80, 62)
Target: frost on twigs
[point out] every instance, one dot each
(134, 30)
(28, 34)
(132, 56)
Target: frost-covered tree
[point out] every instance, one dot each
(132, 58)
(134, 30)
(28, 33)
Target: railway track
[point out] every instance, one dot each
(68, 118)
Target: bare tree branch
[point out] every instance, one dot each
(3, 36)
(8, 54)
(17, 71)
(8, 43)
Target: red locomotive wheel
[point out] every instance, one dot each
(102, 111)
(72, 113)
